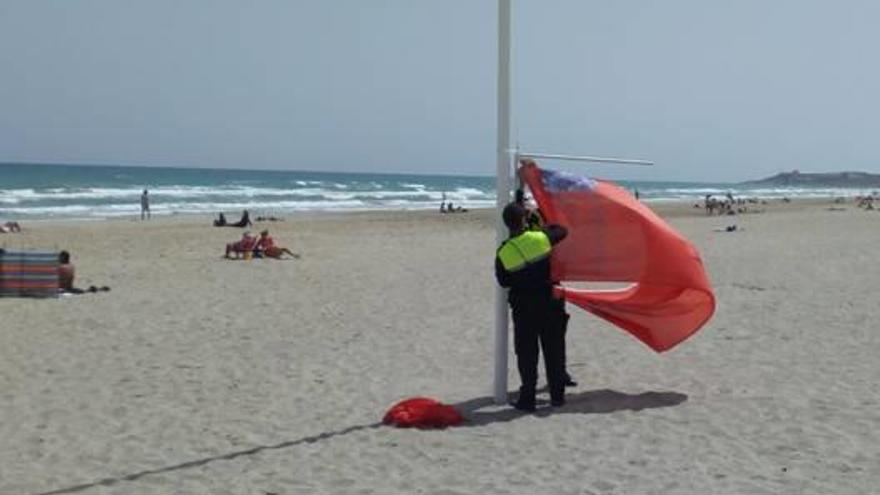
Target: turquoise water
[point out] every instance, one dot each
(41, 191)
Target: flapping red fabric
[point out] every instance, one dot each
(28, 274)
(612, 237)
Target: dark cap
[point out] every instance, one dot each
(514, 214)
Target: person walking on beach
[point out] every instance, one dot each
(145, 205)
(522, 264)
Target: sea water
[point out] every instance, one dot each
(49, 191)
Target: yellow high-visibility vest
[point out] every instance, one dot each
(528, 247)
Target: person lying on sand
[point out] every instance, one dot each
(220, 221)
(454, 209)
(266, 245)
(244, 222)
(246, 244)
(10, 227)
(66, 273)
(730, 228)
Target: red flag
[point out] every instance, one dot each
(614, 238)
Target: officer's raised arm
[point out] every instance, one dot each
(556, 233)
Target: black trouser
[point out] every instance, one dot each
(562, 319)
(538, 319)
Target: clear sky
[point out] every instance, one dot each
(712, 90)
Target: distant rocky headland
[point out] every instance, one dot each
(831, 179)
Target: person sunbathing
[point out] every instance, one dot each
(455, 209)
(66, 274)
(66, 271)
(244, 222)
(220, 221)
(266, 245)
(245, 245)
(10, 227)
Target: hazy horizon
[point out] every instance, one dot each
(711, 91)
(549, 164)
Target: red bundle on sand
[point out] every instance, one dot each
(614, 238)
(422, 412)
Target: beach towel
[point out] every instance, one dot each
(30, 274)
(612, 237)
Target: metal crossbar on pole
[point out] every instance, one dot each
(592, 159)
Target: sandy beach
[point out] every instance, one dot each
(198, 375)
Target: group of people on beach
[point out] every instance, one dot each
(248, 246)
(866, 202)
(251, 246)
(245, 220)
(10, 228)
(451, 208)
(257, 247)
(729, 205)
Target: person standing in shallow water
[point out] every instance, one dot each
(145, 205)
(522, 264)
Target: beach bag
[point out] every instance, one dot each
(422, 412)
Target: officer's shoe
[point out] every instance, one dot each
(524, 406)
(568, 381)
(557, 402)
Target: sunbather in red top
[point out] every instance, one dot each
(267, 245)
(246, 244)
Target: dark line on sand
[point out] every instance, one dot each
(588, 402)
(201, 462)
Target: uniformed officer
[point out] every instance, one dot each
(534, 221)
(522, 264)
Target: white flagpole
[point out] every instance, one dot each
(504, 155)
(503, 194)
